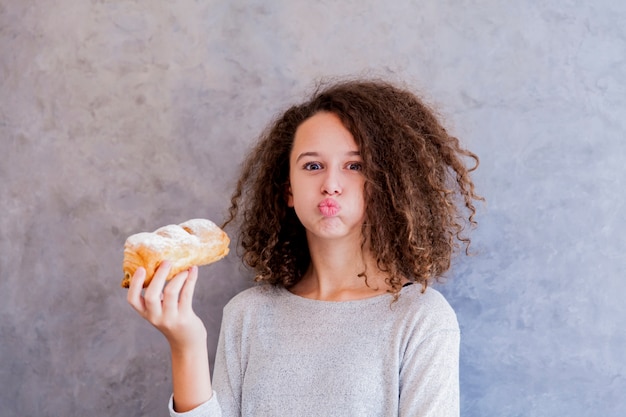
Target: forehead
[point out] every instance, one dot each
(323, 132)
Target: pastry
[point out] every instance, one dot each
(194, 242)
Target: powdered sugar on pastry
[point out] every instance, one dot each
(194, 242)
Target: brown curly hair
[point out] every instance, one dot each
(418, 192)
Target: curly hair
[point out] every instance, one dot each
(418, 191)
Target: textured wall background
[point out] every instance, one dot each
(120, 116)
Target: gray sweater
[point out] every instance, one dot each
(283, 355)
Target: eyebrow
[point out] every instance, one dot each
(316, 154)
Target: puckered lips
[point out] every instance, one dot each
(329, 207)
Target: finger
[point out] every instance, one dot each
(186, 294)
(152, 294)
(133, 296)
(171, 292)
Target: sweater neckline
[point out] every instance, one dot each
(360, 301)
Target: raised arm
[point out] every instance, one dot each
(169, 309)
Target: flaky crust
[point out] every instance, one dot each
(194, 242)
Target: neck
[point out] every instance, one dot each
(337, 273)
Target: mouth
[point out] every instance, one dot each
(329, 207)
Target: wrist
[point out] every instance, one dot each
(188, 346)
(191, 377)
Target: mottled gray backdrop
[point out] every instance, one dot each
(121, 116)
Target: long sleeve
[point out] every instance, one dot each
(429, 377)
(229, 365)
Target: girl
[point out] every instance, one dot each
(349, 206)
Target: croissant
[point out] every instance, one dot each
(194, 242)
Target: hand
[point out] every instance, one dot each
(169, 307)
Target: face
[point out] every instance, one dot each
(326, 179)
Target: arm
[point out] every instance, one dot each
(169, 309)
(429, 378)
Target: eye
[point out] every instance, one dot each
(355, 166)
(312, 166)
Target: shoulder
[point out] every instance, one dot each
(429, 309)
(253, 297)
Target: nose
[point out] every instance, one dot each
(332, 183)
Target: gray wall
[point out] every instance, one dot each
(121, 116)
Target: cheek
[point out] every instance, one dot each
(362, 200)
(293, 199)
(297, 189)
